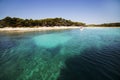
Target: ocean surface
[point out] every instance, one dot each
(88, 54)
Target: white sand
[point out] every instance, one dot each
(23, 29)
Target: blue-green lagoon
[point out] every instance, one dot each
(89, 54)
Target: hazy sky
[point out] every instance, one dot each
(88, 11)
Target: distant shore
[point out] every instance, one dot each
(25, 29)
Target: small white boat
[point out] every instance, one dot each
(81, 28)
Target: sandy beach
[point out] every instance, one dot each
(23, 29)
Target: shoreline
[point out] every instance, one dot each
(28, 29)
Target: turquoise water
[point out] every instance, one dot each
(49, 55)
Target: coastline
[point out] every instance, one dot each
(28, 29)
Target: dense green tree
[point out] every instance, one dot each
(7, 21)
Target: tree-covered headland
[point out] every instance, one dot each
(117, 24)
(18, 22)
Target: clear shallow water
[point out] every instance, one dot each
(91, 54)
